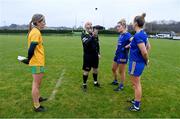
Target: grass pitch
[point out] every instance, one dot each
(160, 81)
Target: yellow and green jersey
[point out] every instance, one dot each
(38, 59)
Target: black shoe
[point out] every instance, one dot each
(131, 101)
(97, 85)
(41, 99)
(84, 88)
(133, 108)
(39, 109)
(114, 83)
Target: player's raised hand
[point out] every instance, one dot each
(95, 32)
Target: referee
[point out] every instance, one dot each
(91, 53)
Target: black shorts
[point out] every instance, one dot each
(90, 61)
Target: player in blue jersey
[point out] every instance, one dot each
(121, 55)
(138, 59)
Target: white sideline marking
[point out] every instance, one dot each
(55, 90)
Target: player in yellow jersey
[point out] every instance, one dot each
(36, 58)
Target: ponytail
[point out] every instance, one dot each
(30, 25)
(140, 20)
(143, 15)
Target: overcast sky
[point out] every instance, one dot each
(76, 12)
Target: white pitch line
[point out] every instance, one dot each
(55, 90)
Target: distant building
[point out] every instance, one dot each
(166, 34)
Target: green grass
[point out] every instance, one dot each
(161, 81)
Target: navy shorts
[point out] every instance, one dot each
(121, 59)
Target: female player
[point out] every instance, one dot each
(138, 59)
(121, 55)
(36, 58)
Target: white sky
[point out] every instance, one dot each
(76, 12)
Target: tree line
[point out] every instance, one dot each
(150, 27)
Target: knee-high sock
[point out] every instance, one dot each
(95, 77)
(85, 77)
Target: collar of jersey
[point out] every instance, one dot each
(37, 28)
(139, 30)
(86, 32)
(123, 33)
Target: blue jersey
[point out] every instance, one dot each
(135, 53)
(123, 40)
